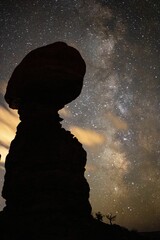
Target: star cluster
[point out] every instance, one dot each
(117, 115)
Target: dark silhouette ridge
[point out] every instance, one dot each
(47, 195)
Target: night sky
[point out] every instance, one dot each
(117, 115)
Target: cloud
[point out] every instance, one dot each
(65, 112)
(117, 122)
(8, 122)
(91, 167)
(3, 86)
(87, 137)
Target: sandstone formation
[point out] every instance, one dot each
(47, 195)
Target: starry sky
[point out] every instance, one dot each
(117, 115)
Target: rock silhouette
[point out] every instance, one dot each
(51, 75)
(45, 189)
(46, 193)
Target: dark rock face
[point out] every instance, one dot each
(44, 177)
(45, 169)
(45, 189)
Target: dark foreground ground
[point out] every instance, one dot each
(151, 235)
(77, 230)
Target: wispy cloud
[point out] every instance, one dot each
(65, 112)
(87, 136)
(8, 122)
(117, 122)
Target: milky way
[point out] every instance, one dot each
(117, 115)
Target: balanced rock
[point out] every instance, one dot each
(47, 195)
(51, 75)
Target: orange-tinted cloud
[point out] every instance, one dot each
(87, 137)
(3, 86)
(8, 123)
(90, 167)
(117, 122)
(65, 112)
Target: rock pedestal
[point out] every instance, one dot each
(45, 189)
